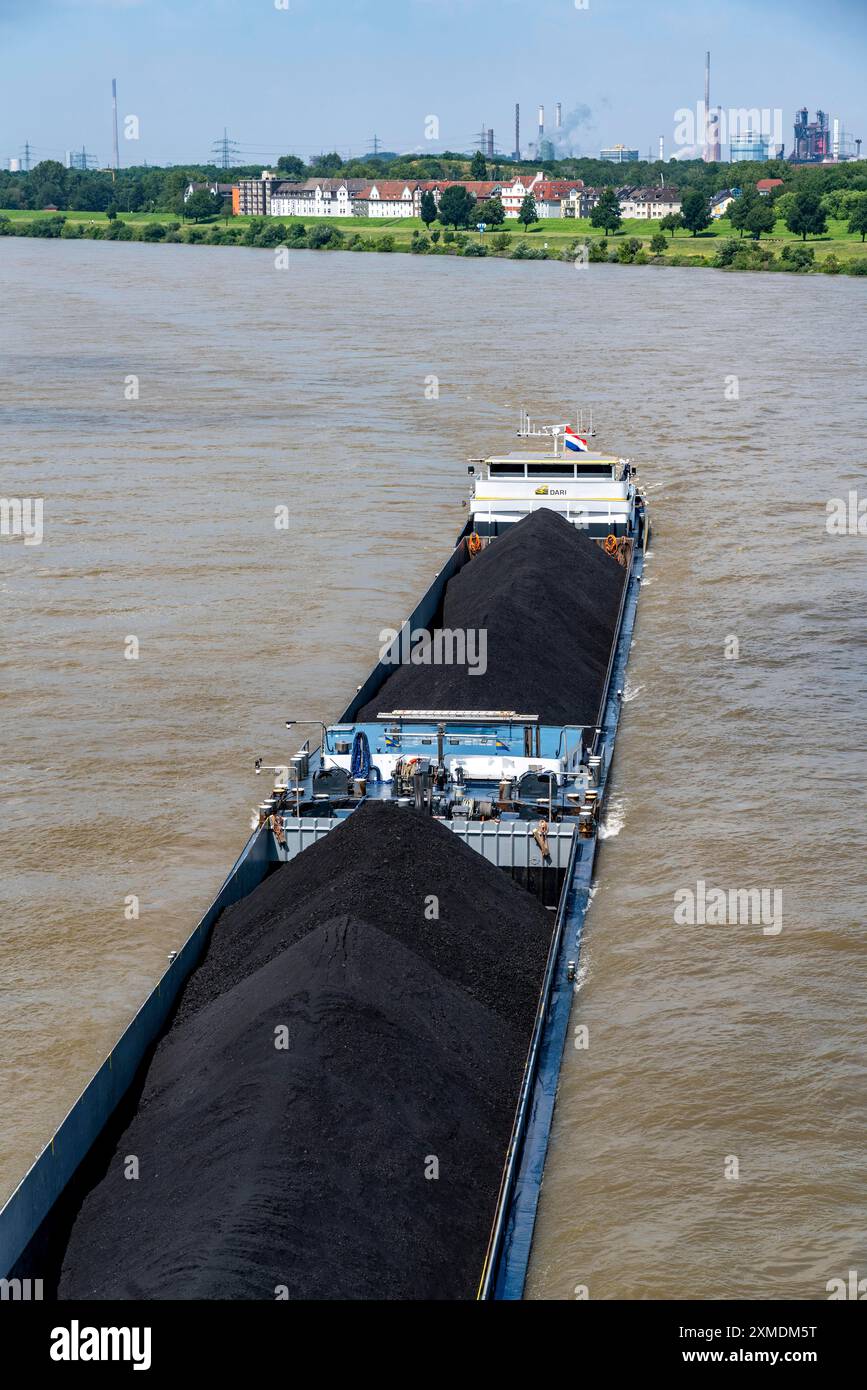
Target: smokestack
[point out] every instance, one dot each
(541, 121)
(491, 143)
(707, 154)
(114, 114)
(517, 130)
(835, 139)
(558, 116)
(662, 147)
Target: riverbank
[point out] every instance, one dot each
(636, 243)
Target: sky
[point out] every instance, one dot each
(302, 76)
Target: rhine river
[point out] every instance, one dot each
(164, 400)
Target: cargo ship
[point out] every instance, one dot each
(493, 744)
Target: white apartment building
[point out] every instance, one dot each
(649, 203)
(316, 198)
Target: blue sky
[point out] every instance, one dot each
(332, 73)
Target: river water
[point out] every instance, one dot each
(164, 400)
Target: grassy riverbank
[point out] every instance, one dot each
(836, 251)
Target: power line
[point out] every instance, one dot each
(226, 150)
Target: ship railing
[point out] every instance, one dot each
(522, 1111)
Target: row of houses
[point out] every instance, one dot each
(393, 198)
(271, 196)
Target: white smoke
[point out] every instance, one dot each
(567, 139)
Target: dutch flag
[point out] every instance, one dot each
(574, 441)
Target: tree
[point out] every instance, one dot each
(327, 166)
(806, 217)
(783, 205)
(527, 213)
(695, 211)
(761, 218)
(606, 213)
(670, 223)
(201, 204)
(491, 213)
(858, 220)
(742, 207)
(478, 167)
(456, 206)
(657, 243)
(291, 164)
(428, 208)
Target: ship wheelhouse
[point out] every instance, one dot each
(596, 492)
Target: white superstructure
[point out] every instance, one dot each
(595, 491)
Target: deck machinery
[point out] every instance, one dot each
(527, 795)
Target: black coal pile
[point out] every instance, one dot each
(547, 597)
(328, 1113)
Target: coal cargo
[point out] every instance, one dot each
(547, 596)
(306, 1169)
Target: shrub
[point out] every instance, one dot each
(726, 253)
(448, 236)
(420, 244)
(195, 235)
(173, 235)
(657, 244)
(858, 267)
(830, 265)
(598, 250)
(274, 234)
(798, 257)
(475, 248)
(71, 230)
(435, 236)
(461, 238)
(385, 243)
(152, 231)
(322, 235)
(254, 228)
(46, 226)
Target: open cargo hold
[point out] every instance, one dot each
(547, 598)
(305, 1166)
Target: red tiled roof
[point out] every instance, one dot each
(389, 188)
(556, 188)
(764, 184)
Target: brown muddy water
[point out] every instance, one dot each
(708, 1141)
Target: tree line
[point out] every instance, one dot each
(144, 189)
